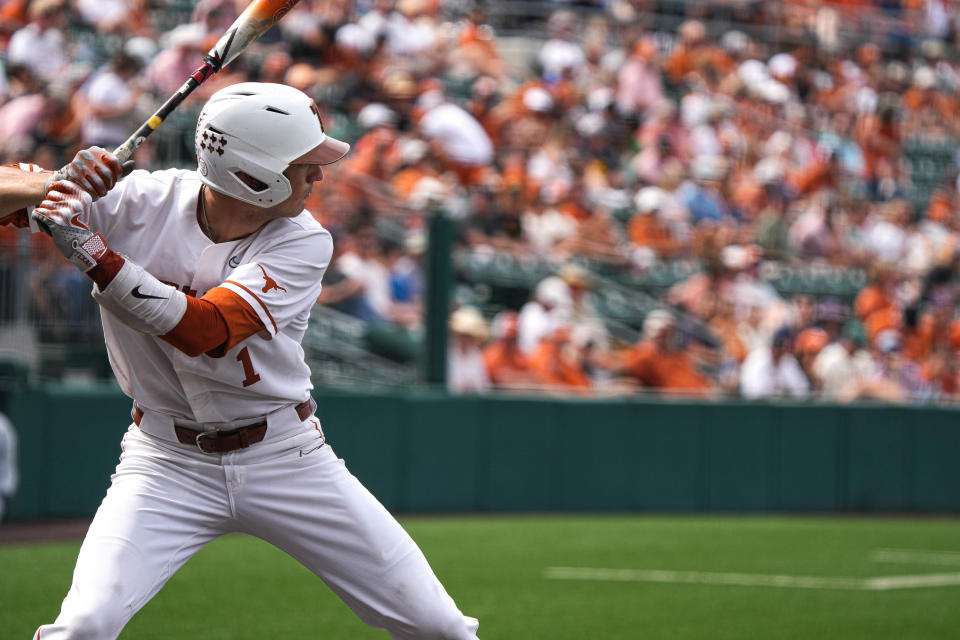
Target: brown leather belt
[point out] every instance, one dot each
(225, 441)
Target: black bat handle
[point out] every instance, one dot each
(209, 67)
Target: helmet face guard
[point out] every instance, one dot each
(249, 133)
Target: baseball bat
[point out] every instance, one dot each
(259, 16)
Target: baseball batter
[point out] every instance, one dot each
(205, 280)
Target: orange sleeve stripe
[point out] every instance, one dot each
(201, 329)
(214, 324)
(265, 310)
(241, 319)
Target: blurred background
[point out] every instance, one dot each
(582, 215)
(724, 199)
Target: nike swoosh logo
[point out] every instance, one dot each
(143, 296)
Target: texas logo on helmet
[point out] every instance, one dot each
(269, 284)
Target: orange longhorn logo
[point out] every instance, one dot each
(269, 283)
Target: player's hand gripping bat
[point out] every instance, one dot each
(250, 25)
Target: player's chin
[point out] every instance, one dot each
(291, 207)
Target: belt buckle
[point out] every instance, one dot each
(212, 433)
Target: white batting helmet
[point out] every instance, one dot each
(249, 133)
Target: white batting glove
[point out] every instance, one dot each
(63, 215)
(95, 170)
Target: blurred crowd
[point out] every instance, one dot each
(608, 137)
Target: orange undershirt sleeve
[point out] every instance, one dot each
(214, 324)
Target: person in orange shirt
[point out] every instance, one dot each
(13, 15)
(417, 163)
(806, 347)
(475, 48)
(953, 336)
(928, 329)
(877, 295)
(507, 365)
(879, 136)
(658, 361)
(552, 362)
(646, 228)
(375, 158)
(598, 237)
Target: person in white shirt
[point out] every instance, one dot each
(466, 369)
(364, 262)
(106, 16)
(462, 140)
(550, 306)
(773, 372)
(110, 98)
(206, 280)
(561, 54)
(40, 44)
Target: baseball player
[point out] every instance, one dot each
(205, 280)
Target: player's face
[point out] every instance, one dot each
(301, 177)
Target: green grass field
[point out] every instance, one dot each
(713, 581)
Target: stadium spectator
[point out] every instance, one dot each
(659, 361)
(557, 362)
(22, 116)
(217, 15)
(831, 316)
(466, 369)
(178, 58)
(808, 345)
(110, 99)
(406, 281)
(343, 290)
(121, 17)
(773, 372)
(461, 143)
(648, 232)
(475, 52)
(507, 366)
(596, 236)
(40, 45)
(544, 225)
(561, 55)
(364, 260)
(586, 322)
(639, 81)
(548, 308)
(895, 377)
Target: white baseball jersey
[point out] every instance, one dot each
(151, 217)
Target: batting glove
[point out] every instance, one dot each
(95, 170)
(63, 215)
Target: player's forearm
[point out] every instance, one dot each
(214, 324)
(19, 189)
(201, 329)
(211, 325)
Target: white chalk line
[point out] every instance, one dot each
(917, 556)
(883, 583)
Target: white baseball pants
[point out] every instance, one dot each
(167, 500)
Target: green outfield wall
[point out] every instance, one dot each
(422, 451)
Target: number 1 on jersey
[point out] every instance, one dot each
(251, 376)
